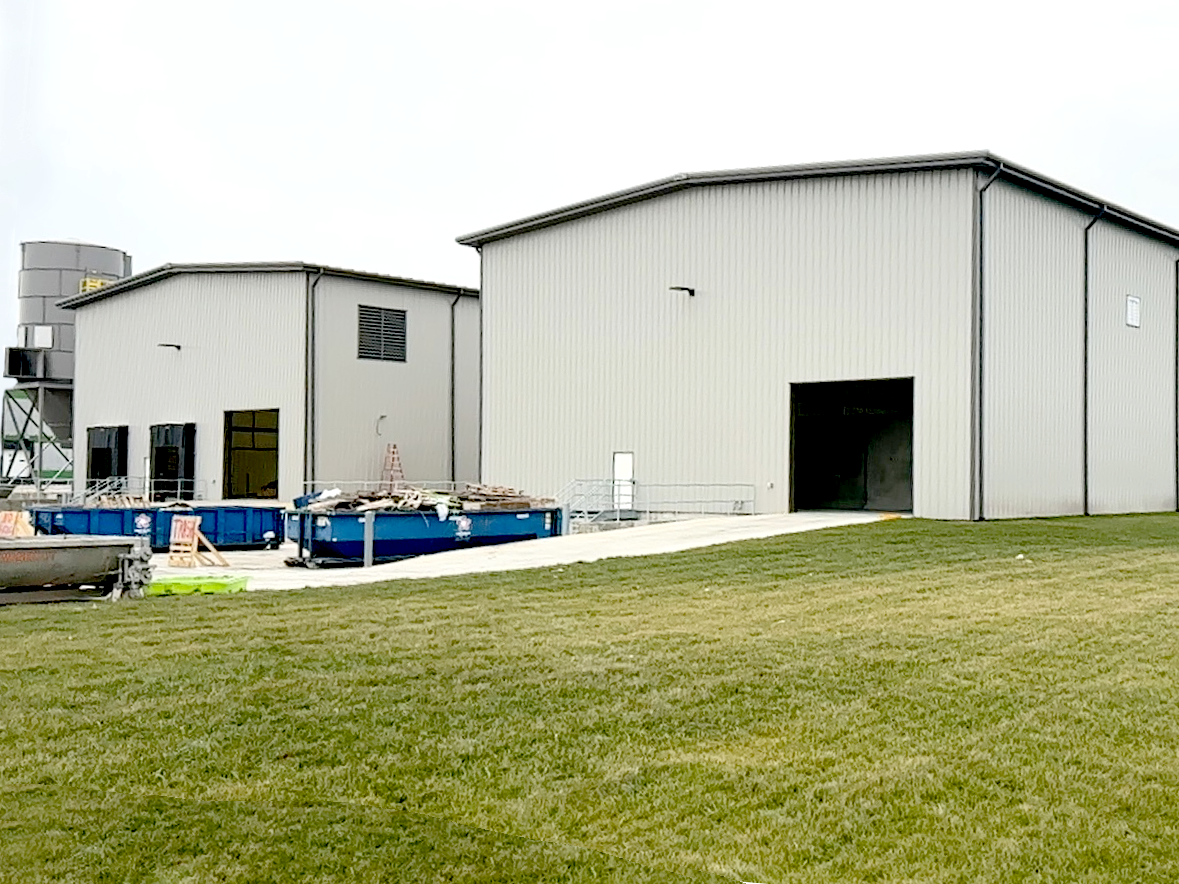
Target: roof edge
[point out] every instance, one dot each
(685, 180)
(979, 160)
(166, 271)
(70, 242)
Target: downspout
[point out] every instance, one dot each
(976, 505)
(453, 391)
(1085, 370)
(1175, 401)
(309, 381)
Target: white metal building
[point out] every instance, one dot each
(250, 380)
(1013, 340)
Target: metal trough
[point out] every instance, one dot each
(49, 568)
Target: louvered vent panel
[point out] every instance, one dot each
(381, 334)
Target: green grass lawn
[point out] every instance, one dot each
(903, 701)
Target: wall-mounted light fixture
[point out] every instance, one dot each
(683, 288)
(176, 346)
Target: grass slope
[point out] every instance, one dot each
(904, 701)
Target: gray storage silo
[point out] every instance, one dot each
(38, 409)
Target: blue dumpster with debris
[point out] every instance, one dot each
(352, 538)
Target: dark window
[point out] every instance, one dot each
(251, 454)
(382, 334)
(173, 460)
(108, 454)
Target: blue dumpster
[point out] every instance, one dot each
(227, 527)
(338, 537)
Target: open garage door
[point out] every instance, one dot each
(852, 445)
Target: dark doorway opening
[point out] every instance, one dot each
(173, 460)
(852, 445)
(106, 454)
(251, 454)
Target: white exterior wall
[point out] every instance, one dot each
(469, 388)
(1131, 373)
(1033, 355)
(241, 347)
(414, 396)
(587, 352)
(1034, 363)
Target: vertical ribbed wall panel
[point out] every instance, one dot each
(1033, 355)
(467, 389)
(241, 347)
(363, 405)
(1131, 374)
(587, 352)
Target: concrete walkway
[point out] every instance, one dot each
(267, 571)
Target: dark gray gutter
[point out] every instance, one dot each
(453, 387)
(1085, 365)
(309, 381)
(979, 160)
(977, 345)
(168, 270)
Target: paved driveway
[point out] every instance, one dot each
(267, 571)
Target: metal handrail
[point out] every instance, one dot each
(610, 500)
(96, 488)
(139, 486)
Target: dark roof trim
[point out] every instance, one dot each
(979, 160)
(169, 270)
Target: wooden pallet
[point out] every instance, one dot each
(185, 542)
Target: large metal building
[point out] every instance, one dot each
(231, 381)
(954, 335)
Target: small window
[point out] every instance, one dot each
(1133, 311)
(382, 334)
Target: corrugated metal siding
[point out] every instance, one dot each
(1033, 321)
(587, 352)
(1132, 374)
(241, 338)
(467, 404)
(414, 396)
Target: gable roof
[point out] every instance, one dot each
(168, 270)
(981, 161)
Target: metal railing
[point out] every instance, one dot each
(154, 490)
(98, 488)
(627, 501)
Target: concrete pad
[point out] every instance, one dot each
(267, 571)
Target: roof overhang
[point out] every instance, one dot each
(168, 270)
(980, 161)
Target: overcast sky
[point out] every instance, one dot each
(370, 134)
